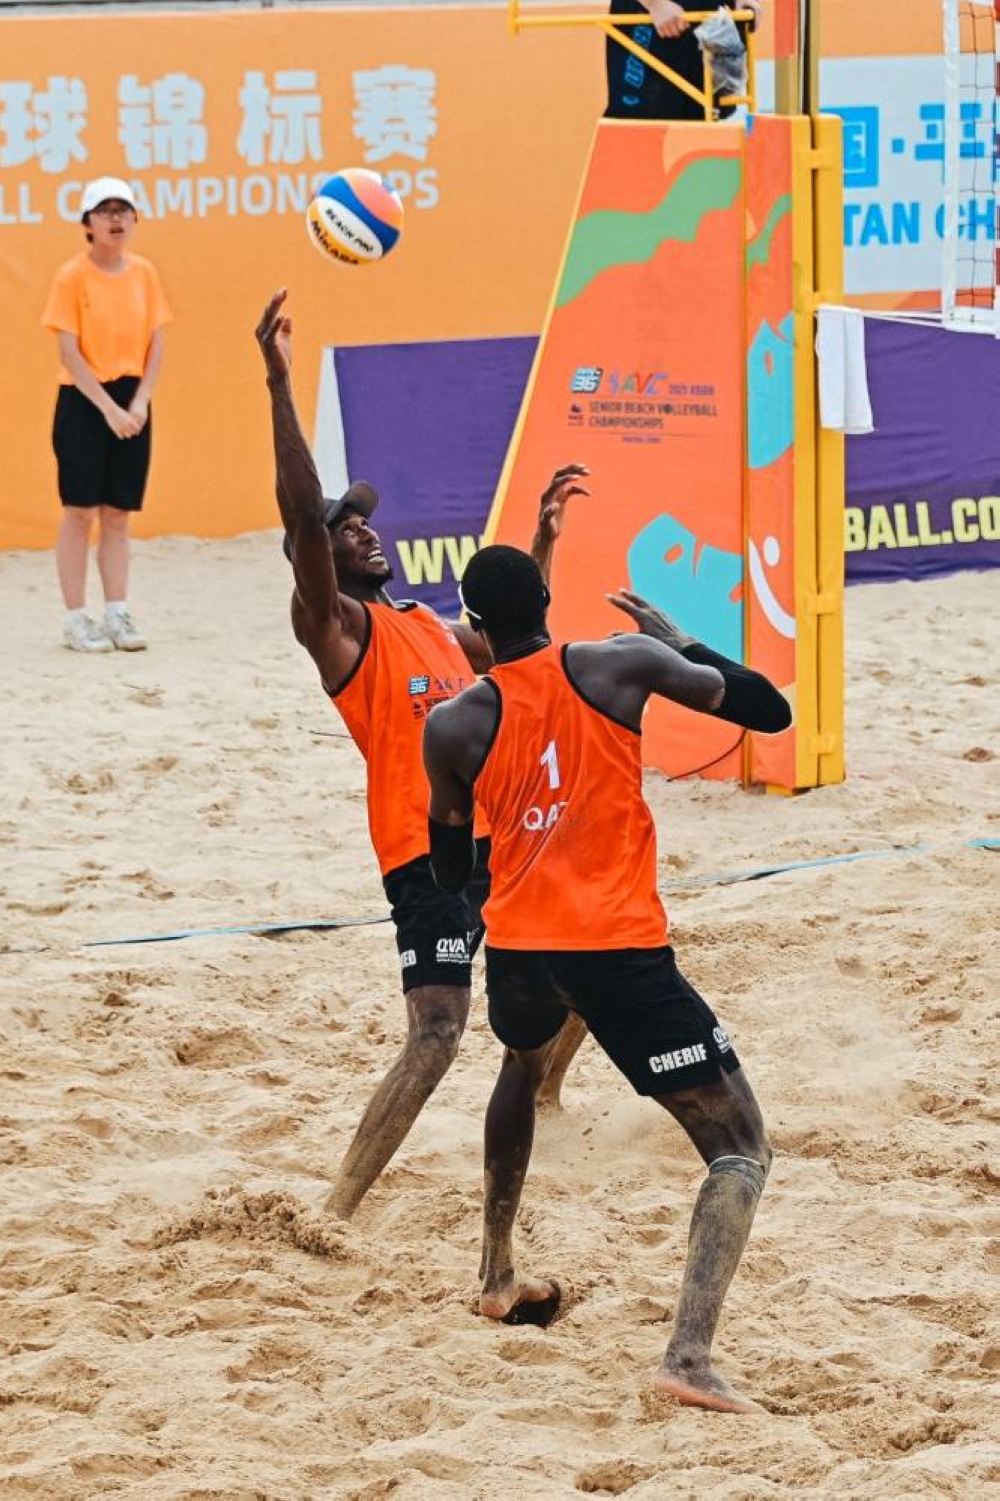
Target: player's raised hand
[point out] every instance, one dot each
(552, 507)
(650, 620)
(274, 335)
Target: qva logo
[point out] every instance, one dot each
(452, 951)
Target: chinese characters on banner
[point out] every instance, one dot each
(162, 127)
(893, 116)
(892, 111)
(894, 164)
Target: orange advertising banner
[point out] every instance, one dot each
(677, 364)
(222, 122)
(640, 375)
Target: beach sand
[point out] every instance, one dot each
(178, 1318)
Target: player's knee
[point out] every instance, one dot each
(752, 1171)
(748, 1138)
(438, 1033)
(532, 1065)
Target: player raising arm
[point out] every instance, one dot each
(384, 664)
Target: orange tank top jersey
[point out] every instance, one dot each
(573, 862)
(411, 661)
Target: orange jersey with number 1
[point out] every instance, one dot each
(573, 862)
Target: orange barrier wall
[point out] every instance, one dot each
(640, 375)
(779, 457)
(677, 363)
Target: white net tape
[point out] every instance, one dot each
(970, 284)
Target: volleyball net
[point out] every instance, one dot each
(970, 135)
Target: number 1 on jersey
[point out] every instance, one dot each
(550, 760)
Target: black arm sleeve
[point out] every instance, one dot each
(750, 699)
(453, 854)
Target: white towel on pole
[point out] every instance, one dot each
(844, 403)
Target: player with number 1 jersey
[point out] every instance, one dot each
(570, 829)
(547, 745)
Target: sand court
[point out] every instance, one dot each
(177, 1317)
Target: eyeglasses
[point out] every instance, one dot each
(113, 210)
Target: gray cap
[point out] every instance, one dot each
(360, 497)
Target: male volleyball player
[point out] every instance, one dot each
(547, 746)
(385, 665)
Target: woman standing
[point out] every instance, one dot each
(107, 309)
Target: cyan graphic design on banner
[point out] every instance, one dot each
(612, 237)
(770, 393)
(701, 587)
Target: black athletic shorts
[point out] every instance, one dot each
(95, 467)
(642, 1012)
(437, 933)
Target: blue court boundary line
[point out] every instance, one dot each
(730, 878)
(258, 928)
(688, 883)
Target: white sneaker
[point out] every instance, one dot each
(123, 632)
(80, 633)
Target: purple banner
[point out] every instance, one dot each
(923, 490)
(428, 425)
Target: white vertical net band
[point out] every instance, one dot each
(970, 281)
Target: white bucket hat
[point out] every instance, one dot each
(103, 188)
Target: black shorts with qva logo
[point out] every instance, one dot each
(437, 932)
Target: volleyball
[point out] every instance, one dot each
(355, 216)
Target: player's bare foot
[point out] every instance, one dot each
(699, 1386)
(521, 1300)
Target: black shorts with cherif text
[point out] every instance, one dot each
(652, 1024)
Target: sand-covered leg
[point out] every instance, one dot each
(510, 1128)
(725, 1125)
(437, 1017)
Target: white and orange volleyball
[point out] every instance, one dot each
(356, 216)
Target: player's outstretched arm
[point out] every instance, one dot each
(551, 515)
(297, 486)
(747, 698)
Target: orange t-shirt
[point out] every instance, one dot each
(573, 861)
(410, 661)
(113, 316)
